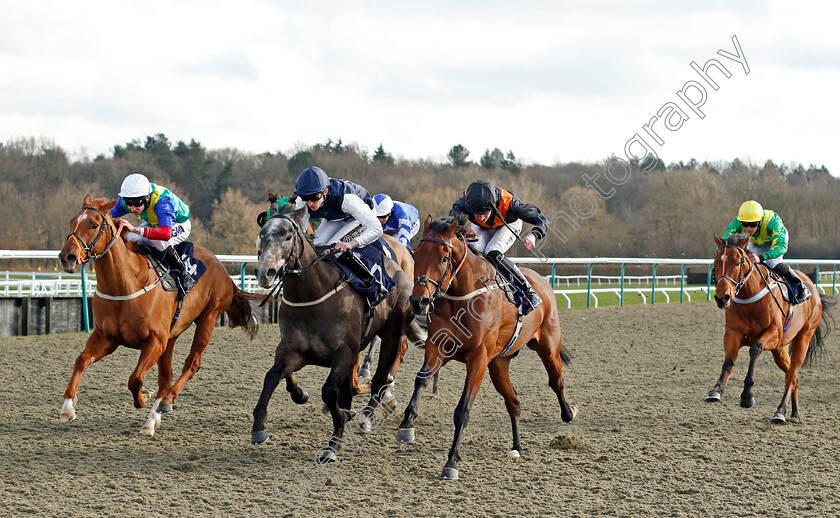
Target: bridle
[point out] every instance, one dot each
(87, 249)
(295, 271)
(742, 278)
(424, 281)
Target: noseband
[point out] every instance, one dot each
(742, 279)
(439, 290)
(87, 249)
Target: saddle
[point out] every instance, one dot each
(168, 275)
(788, 290)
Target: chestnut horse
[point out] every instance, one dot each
(758, 317)
(322, 322)
(471, 321)
(131, 309)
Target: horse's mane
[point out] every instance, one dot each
(442, 224)
(734, 239)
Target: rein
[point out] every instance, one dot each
(86, 250)
(742, 280)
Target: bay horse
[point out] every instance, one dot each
(471, 321)
(131, 309)
(757, 317)
(322, 323)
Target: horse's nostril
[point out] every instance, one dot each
(271, 273)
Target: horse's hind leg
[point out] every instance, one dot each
(364, 370)
(500, 376)
(164, 364)
(96, 348)
(205, 325)
(337, 395)
(549, 350)
(798, 351)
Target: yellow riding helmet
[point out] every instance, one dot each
(750, 211)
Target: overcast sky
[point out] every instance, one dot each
(552, 81)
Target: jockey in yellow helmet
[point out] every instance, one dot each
(768, 242)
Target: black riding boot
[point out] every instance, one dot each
(503, 264)
(185, 280)
(803, 293)
(358, 268)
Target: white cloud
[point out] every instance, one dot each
(547, 80)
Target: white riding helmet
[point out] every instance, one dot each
(382, 205)
(135, 186)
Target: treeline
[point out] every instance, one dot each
(671, 211)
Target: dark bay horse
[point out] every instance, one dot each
(322, 322)
(131, 309)
(471, 321)
(402, 257)
(757, 317)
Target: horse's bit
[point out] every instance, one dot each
(87, 249)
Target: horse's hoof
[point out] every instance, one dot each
(363, 425)
(327, 455)
(405, 435)
(164, 408)
(364, 373)
(514, 454)
(148, 430)
(778, 418)
(260, 437)
(747, 403)
(68, 417)
(303, 398)
(713, 397)
(449, 474)
(575, 410)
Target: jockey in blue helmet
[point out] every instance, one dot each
(348, 219)
(398, 219)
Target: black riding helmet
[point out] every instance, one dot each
(480, 197)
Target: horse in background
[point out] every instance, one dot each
(471, 321)
(322, 323)
(793, 333)
(130, 308)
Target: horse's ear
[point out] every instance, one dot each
(108, 206)
(743, 243)
(271, 197)
(469, 233)
(427, 223)
(718, 241)
(86, 201)
(297, 215)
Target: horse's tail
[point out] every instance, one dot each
(241, 313)
(817, 345)
(565, 357)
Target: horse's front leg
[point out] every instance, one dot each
(364, 370)
(476, 365)
(432, 363)
(731, 345)
(96, 348)
(286, 362)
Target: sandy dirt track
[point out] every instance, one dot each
(643, 444)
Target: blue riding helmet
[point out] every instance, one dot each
(311, 180)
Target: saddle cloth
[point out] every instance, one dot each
(373, 256)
